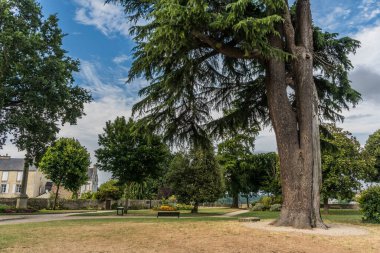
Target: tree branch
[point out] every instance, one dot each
(225, 49)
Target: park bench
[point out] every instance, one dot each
(167, 213)
(121, 209)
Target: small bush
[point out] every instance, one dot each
(275, 208)
(4, 207)
(164, 208)
(266, 201)
(258, 207)
(370, 204)
(184, 207)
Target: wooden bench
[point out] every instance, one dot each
(167, 213)
(121, 209)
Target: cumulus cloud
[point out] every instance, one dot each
(107, 18)
(121, 58)
(329, 22)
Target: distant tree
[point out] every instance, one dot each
(109, 190)
(66, 163)
(234, 155)
(37, 92)
(343, 165)
(131, 156)
(266, 173)
(372, 153)
(244, 171)
(195, 177)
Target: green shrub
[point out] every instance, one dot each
(4, 207)
(184, 207)
(275, 207)
(370, 204)
(266, 201)
(258, 207)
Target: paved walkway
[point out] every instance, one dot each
(234, 213)
(21, 219)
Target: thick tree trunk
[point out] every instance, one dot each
(195, 208)
(56, 197)
(297, 129)
(235, 200)
(326, 205)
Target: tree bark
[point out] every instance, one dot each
(326, 205)
(56, 197)
(25, 174)
(297, 131)
(235, 200)
(195, 208)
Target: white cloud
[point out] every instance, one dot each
(368, 56)
(330, 21)
(108, 18)
(121, 58)
(371, 9)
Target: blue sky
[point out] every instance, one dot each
(97, 35)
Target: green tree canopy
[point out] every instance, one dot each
(37, 92)
(372, 152)
(130, 155)
(66, 163)
(195, 177)
(263, 61)
(343, 167)
(109, 190)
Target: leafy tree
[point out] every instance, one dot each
(195, 177)
(244, 171)
(244, 56)
(66, 163)
(36, 91)
(233, 156)
(372, 152)
(266, 175)
(131, 156)
(343, 167)
(109, 190)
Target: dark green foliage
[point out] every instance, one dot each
(344, 167)
(129, 154)
(66, 163)
(370, 204)
(372, 153)
(36, 83)
(234, 156)
(109, 190)
(244, 171)
(201, 56)
(268, 173)
(195, 177)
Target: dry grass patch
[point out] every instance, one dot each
(178, 237)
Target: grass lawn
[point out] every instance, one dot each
(197, 234)
(44, 211)
(184, 213)
(334, 216)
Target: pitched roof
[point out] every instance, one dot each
(13, 164)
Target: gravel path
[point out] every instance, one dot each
(334, 230)
(234, 213)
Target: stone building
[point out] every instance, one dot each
(11, 171)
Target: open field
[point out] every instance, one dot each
(184, 213)
(190, 234)
(171, 235)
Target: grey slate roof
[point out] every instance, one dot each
(14, 164)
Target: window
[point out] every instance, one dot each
(4, 177)
(18, 188)
(19, 176)
(3, 188)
